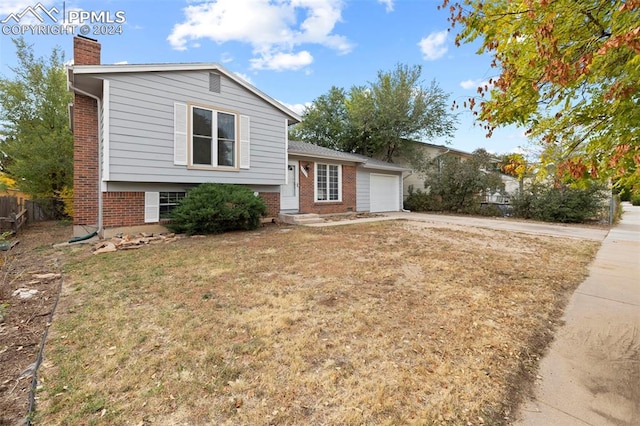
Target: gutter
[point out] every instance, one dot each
(325, 157)
(99, 101)
(390, 168)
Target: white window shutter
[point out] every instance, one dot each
(179, 134)
(151, 207)
(245, 142)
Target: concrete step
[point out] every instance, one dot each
(300, 218)
(308, 220)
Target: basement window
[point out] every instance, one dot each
(169, 201)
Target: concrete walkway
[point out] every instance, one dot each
(591, 374)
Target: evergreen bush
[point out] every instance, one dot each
(421, 201)
(560, 204)
(213, 208)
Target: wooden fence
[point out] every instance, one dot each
(16, 212)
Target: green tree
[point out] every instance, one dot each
(569, 71)
(378, 119)
(455, 184)
(36, 144)
(326, 122)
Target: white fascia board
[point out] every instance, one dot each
(325, 157)
(388, 168)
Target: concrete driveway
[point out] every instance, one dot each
(500, 224)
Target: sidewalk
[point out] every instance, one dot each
(591, 374)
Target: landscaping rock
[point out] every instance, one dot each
(25, 293)
(105, 248)
(44, 277)
(132, 242)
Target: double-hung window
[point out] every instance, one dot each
(169, 201)
(328, 182)
(213, 138)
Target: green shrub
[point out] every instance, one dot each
(421, 201)
(635, 200)
(564, 204)
(625, 194)
(213, 208)
(491, 210)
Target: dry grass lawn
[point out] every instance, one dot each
(379, 323)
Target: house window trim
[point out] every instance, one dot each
(215, 110)
(315, 183)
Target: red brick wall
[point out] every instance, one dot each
(122, 209)
(85, 141)
(85, 51)
(85, 161)
(127, 208)
(308, 203)
(272, 200)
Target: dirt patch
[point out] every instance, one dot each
(29, 284)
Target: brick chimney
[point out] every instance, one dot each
(86, 51)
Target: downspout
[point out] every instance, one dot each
(99, 105)
(403, 178)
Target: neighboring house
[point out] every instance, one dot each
(432, 153)
(322, 181)
(429, 152)
(146, 134)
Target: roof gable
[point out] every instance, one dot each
(101, 70)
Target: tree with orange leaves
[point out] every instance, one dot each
(567, 70)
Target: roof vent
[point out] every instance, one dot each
(214, 82)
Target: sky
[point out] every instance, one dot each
(292, 50)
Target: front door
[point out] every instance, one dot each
(289, 194)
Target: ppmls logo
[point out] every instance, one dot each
(51, 22)
(33, 12)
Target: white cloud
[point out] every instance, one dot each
(274, 29)
(121, 63)
(226, 57)
(244, 76)
(15, 6)
(297, 108)
(388, 5)
(469, 84)
(280, 61)
(474, 84)
(434, 45)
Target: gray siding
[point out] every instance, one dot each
(363, 180)
(141, 129)
(362, 190)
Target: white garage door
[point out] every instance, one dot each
(384, 193)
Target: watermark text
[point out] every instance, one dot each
(40, 20)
